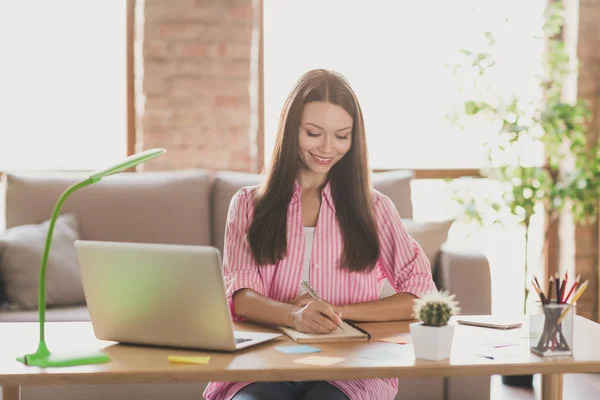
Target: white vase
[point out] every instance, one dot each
(432, 342)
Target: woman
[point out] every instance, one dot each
(317, 218)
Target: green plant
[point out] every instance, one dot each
(435, 308)
(570, 178)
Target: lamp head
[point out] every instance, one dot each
(127, 163)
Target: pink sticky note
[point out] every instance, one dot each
(319, 360)
(398, 339)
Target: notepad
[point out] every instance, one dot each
(348, 333)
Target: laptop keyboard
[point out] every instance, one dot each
(241, 340)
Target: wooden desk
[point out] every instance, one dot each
(135, 364)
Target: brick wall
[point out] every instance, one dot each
(588, 87)
(195, 83)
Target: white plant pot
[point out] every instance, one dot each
(432, 342)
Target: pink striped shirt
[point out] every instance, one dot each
(401, 262)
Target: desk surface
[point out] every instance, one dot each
(263, 362)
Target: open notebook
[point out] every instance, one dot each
(348, 333)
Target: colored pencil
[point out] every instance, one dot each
(557, 283)
(572, 288)
(550, 290)
(539, 291)
(562, 291)
(575, 298)
(564, 288)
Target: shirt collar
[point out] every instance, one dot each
(326, 193)
(297, 190)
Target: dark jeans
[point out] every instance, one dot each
(310, 390)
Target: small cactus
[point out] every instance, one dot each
(435, 308)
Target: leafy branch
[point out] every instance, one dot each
(556, 126)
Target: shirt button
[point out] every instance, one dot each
(316, 266)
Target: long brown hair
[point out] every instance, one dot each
(348, 179)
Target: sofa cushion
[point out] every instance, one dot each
(394, 184)
(149, 207)
(430, 235)
(226, 185)
(79, 313)
(21, 250)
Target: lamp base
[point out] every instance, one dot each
(43, 358)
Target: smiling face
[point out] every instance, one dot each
(318, 143)
(325, 136)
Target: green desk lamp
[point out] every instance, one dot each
(42, 357)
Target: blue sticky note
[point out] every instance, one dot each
(298, 349)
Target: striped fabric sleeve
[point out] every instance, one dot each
(402, 260)
(239, 268)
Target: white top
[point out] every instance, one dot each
(309, 235)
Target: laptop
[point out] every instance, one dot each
(161, 295)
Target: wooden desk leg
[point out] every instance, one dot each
(552, 387)
(11, 392)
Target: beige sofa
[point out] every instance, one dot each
(190, 207)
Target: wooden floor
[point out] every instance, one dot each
(576, 387)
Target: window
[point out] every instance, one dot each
(395, 55)
(504, 246)
(62, 80)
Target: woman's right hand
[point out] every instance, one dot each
(315, 317)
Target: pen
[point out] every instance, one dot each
(313, 293)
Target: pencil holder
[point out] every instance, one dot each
(555, 338)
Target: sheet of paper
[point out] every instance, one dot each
(532, 335)
(379, 355)
(500, 353)
(189, 360)
(397, 339)
(303, 349)
(319, 360)
(499, 343)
